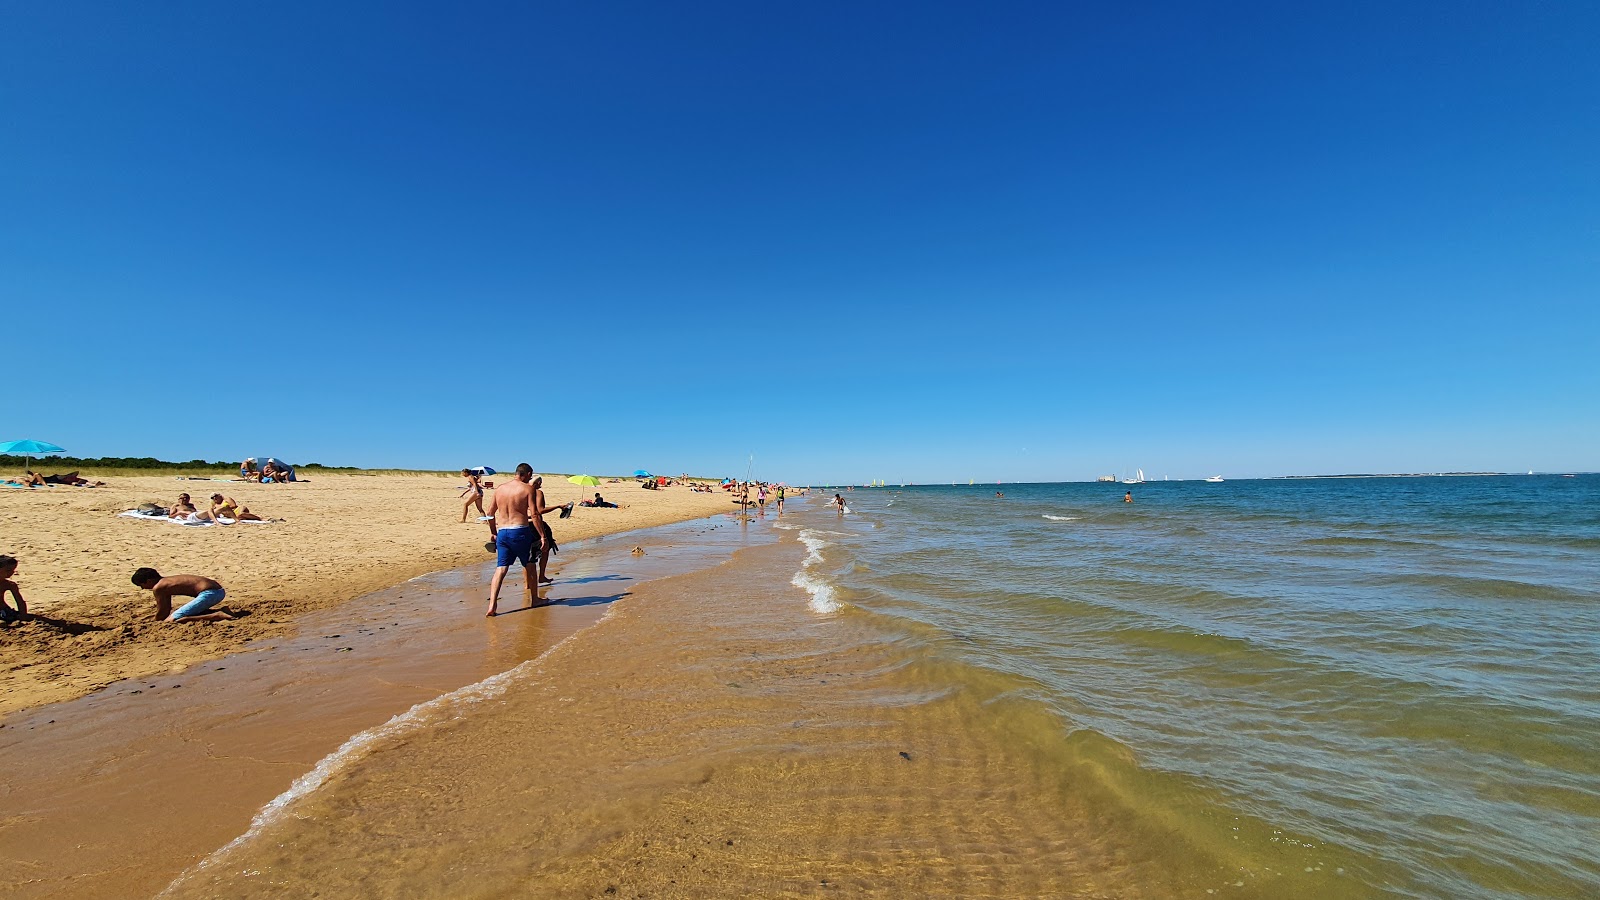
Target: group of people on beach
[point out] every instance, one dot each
(763, 493)
(271, 471)
(223, 511)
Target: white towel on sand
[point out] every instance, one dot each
(188, 520)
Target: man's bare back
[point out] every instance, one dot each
(511, 504)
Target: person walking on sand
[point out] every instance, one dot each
(473, 493)
(8, 613)
(547, 538)
(780, 499)
(516, 534)
(207, 593)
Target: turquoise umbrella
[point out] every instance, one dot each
(29, 448)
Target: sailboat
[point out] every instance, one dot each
(1215, 479)
(1138, 480)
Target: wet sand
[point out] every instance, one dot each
(342, 536)
(129, 786)
(714, 736)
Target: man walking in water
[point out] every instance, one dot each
(516, 533)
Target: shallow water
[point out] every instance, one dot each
(1285, 688)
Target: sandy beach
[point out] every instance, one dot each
(334, 538)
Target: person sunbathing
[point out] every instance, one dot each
(72, 479)
(229, 508)
(183, 509)
(33, 479)
(598, 502)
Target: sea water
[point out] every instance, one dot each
(1402, 670)
(1329, 687)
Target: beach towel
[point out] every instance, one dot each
(204, 523)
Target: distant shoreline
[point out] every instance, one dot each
(1416, 475)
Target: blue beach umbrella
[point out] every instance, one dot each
(640, 473)
(29, 448)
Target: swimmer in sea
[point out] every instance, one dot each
(839, 502)
(1128, 497)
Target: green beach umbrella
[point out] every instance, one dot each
(585, 480)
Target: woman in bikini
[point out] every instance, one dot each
(229, 508)
(473, 493)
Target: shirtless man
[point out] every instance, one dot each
(183, 509)
(206, 592)
(547, 537)
(516, 533)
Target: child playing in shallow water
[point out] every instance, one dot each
(8, 615)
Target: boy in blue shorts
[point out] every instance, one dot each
(207, 593)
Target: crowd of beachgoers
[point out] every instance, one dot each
(514, 506)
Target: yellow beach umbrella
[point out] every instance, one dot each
(585, 480)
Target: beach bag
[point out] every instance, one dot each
(151, 509)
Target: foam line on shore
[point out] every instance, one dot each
(420, 716)
(808, 579)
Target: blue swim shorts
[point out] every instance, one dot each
(519, 544)
(198, 605)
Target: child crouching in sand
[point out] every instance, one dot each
(8, 615)
(206, 592)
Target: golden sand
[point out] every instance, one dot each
(340, 536)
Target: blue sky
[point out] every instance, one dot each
(922, 242)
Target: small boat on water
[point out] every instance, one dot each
(1136, 480)
(1215, 479)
